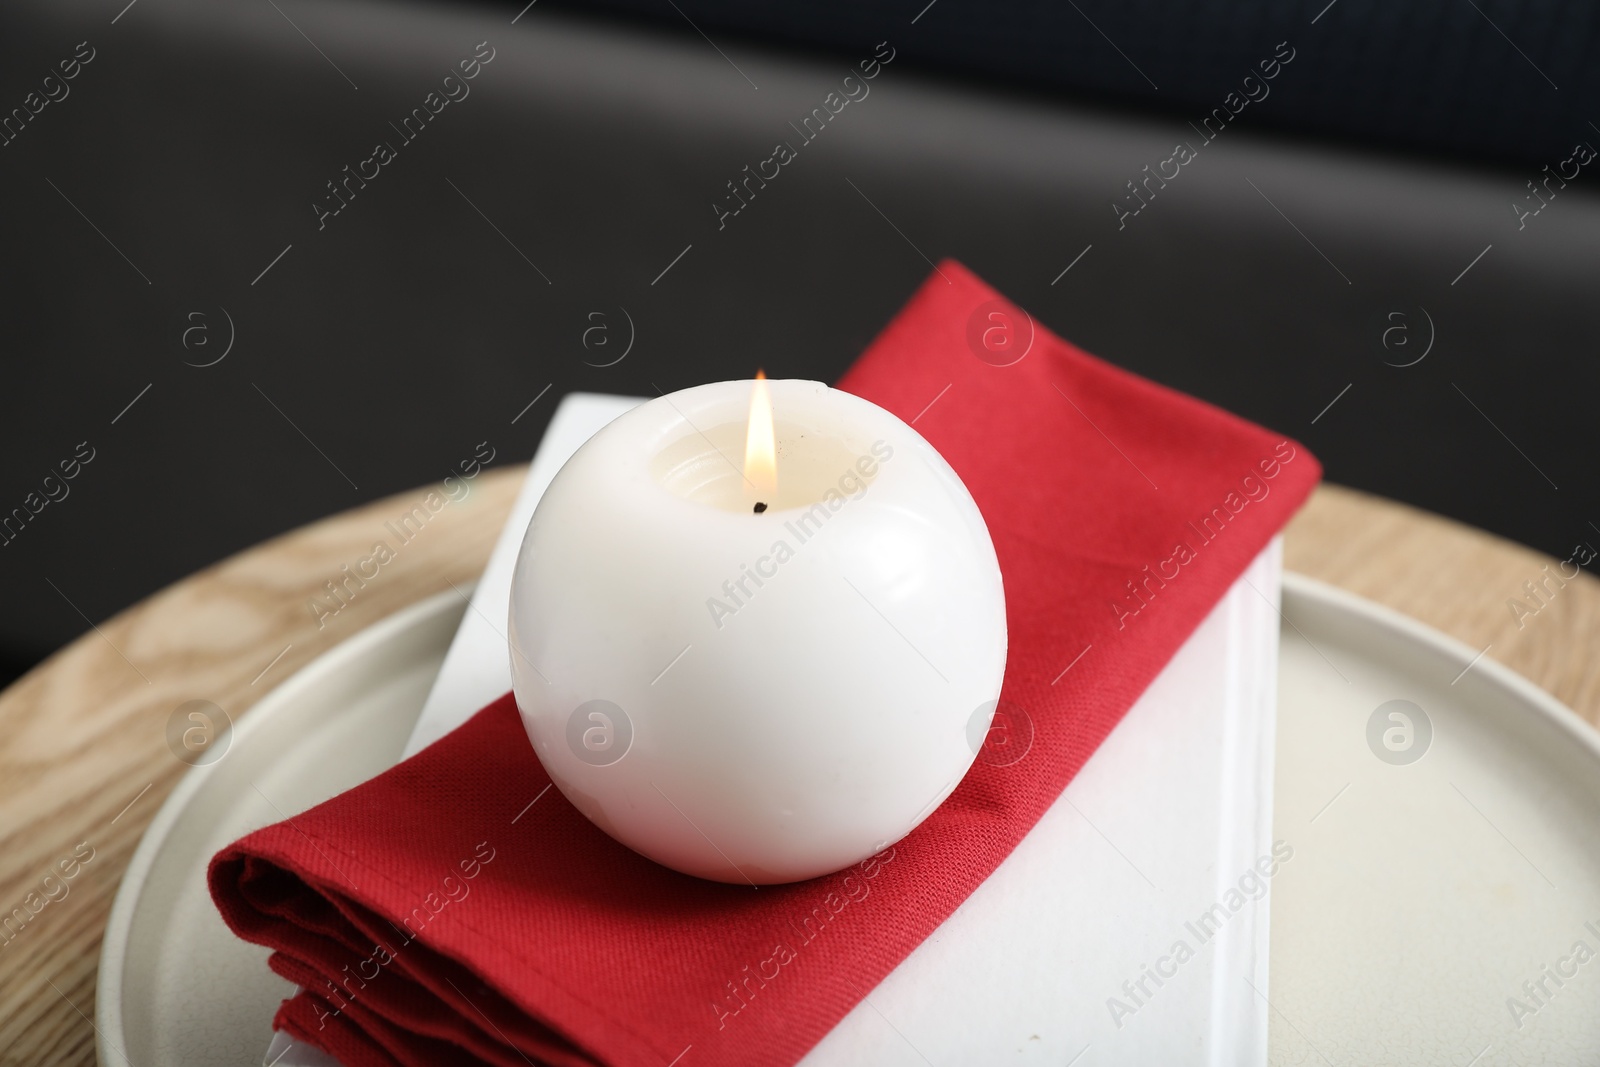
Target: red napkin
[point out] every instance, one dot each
(434, 917)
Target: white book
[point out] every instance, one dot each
(1069, 953)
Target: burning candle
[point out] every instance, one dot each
(757, 630)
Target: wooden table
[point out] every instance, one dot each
(84, 756)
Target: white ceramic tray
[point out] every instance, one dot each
(1421, 895)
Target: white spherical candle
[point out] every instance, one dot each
(757, 644)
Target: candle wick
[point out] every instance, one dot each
(760, 507)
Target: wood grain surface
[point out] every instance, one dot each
(85, 761)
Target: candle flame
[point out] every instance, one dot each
(761, 444)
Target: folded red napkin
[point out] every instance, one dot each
(433, 917)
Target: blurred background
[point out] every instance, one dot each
(228, 312)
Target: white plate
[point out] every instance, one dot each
(1419, 898)
(175, 986)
